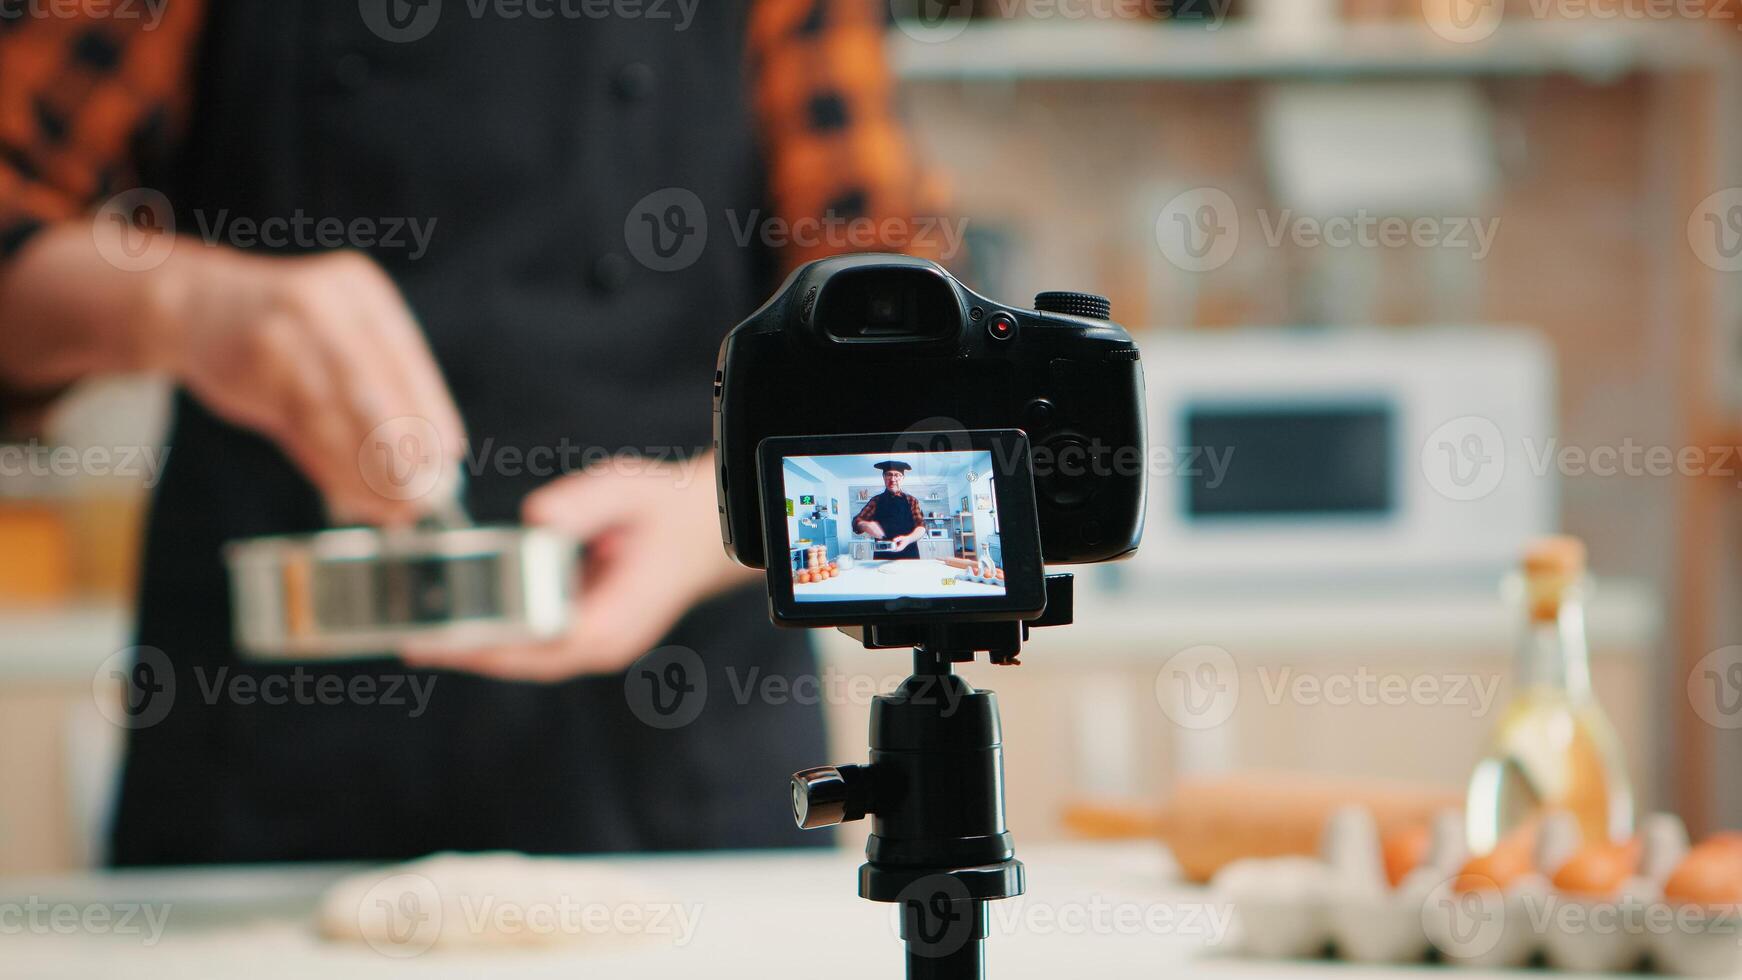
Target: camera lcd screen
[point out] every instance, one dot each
(866, 530)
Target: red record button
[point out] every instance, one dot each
(1001, 326)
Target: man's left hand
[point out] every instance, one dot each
(652, 535)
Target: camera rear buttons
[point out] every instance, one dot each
(1040, 414)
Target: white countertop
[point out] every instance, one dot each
(1105, 911)
(897, 577)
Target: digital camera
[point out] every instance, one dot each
(879, 343)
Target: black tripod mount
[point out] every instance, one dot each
(934, 788)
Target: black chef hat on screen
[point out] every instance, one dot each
(894, 464)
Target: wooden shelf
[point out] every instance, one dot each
(995, 51)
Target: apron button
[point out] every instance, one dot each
(634, 82)
(610, 273)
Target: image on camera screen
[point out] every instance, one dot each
(886, 526)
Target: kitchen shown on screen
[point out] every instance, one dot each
(881, 526)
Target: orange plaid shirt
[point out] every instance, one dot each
(82, 96)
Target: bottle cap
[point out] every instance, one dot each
(1552, 567)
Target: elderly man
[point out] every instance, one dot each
(893, 518)
(576, 185)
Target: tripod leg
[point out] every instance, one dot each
(945, 940)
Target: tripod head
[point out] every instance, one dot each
(958, 642)
(934, 788)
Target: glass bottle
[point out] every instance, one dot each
(1552, 747)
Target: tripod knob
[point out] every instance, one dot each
(830, 795)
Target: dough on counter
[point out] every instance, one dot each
(501, 899)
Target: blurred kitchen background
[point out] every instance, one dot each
(1365, 242)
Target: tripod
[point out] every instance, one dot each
(934, 787)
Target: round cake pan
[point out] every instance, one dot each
(364, 592)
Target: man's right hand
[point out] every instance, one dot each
(321, 355)
(872, 528)
(318, 353)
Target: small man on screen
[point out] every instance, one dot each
(892, 517)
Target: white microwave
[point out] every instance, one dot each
(1329, 453)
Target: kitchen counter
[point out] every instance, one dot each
(888, 579)
(1092, 910)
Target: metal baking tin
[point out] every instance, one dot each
(361, 592)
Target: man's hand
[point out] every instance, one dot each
(319, 353)
(653, 550)
(872, 528)
(322, 356)
(910, 537)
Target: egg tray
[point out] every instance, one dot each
(1340, 905)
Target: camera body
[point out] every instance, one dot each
(880, 343)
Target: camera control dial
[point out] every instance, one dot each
(1075, 304)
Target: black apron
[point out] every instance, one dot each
(528, 142)
(895, 515)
